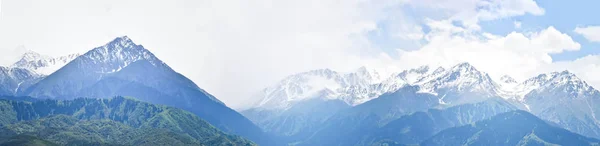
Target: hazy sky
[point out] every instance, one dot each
(234, 48)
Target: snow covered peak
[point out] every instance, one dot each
(464, 67)
(508, 80)
(17, 73)
(353, 88)
(464, 72)
(563, 81)
(300, 87)
(554, 78)
(123, 41)
(439, 70)
(365, 84)
(32, 56)
(116, 55)
(460, 78)
(365, 75)
(41, 64)
(15, 80)
(414, 75)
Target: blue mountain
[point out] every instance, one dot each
(512, 128)
(123, 68)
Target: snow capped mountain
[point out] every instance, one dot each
(123, 68)
(460, 78)
(366, 84)
(97, 64)
(507, 80)
(559, 97)
(460, 84)
(14, 80)
(41, 64)
(564, 81)
(116, 55)
(564, 99)
(353, 88)
(301, 86)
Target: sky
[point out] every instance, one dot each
(235, 48)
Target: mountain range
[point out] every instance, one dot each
(560, 98)
(78, 100)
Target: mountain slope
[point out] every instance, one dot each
(14, 80)
(119, 116)
(298, 122)
(65, 130)
(564, 99)
(354, 123)
(512, 128)
(26, 140)
(416, 127)
(296, 106)
(123, 68)
(409, 129)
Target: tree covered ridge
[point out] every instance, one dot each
(118, 116)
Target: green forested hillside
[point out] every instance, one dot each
(26, 140)
(116, 121)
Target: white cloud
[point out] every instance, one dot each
(591, 33)
(233, 48)
(471, 12)
(586, 68)
(516, 54)
(517, 24)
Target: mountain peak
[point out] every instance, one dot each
(421, 69)
(563, 81)
(555, 76)
(118, 54)
(42, 64)
(508, 79)
(563, 73)
(461, 77)
(321, 72)
(123, 41)
(464, 66)
(369, 74)
(31, 55)
(439, 70)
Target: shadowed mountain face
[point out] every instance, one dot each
(123, 68)
(116, 121)
(408, 129)
(512, 128)
(349, 126)
(416, 127)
